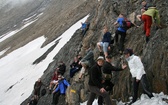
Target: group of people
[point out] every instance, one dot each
(100, 71)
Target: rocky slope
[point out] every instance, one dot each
(154, 54)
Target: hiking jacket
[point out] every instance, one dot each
(95, 76)
(76, 65)
(136, 67)
(89, 57)
(153, 12)
(62, 68)
(38, 85)
(107, 37)
(107, 68)
(55, 76)
(62, 85)
(120, 22)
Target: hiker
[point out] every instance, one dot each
(37, 87)
(106, 40)
(61, 67)
(54, 81)
(88, 60)
(60, 89)
(75, 66)
(33, 101)
(143, 9)
(95, 83)
(120, 31)
(138, 74)
(85, 27)
(148, 17)
(107, 69)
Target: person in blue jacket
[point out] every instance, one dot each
(120, 31)
(60, 89)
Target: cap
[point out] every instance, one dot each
(128, 51)
(109, 56)
(100, 58)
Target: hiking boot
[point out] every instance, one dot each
(147, 39)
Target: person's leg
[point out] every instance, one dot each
(135, 90)
(122, 40)
(72, 72)
(145, 86)
(91, 98)
(148, 27)
(145, 23)
(55, 98)
(105, 94)
(105, 48)
(116, 37)
(138, 17)
(99, 46)
(100, 100)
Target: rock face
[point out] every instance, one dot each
(154, 55)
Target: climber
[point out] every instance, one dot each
(61, 67)
(33, 101)
(138, 74)
(88, 60)
(120, 31)
(107, 69)
(148, 17)
(85, 27)
(95, 83)
(60, 89)
(104, 44)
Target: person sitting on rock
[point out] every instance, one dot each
(75, 66)
(60, 89)
(87, 61)
(37, 87)
(85, 27)
(106, 40)
(143, 9)
(61, 67)
(54, 80)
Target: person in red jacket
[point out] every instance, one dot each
(54, 80)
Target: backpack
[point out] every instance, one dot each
(126, 24)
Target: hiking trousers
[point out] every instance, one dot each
(122, 39)
(96, 91)
(145, 87)
(147, 24)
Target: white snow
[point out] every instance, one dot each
(16, 68)
(144, 100)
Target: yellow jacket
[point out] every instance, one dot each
(153, 12)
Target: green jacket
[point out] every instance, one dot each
(153, 12)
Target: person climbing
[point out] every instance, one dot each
(106, 40)
(60, 89)
(143, 9)
(120, 31)
(37, 87)
(95, 83)
(75, 66)
(107, 69)
(85, 27)
(148, 17)
(88, 60)
(61, 67)
(54, 81)
(138, 73)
